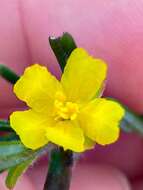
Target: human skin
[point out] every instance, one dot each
(111, 30)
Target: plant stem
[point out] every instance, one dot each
(60, 167)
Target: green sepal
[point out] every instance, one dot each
(62, 47)
(15, 172)
(8, 74)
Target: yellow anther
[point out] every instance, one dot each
(65, 110)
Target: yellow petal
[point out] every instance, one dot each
(67, 135)
(83, 76)
(37, 87)
(30, 127)
(100, 120)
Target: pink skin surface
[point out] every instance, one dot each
(112, 30)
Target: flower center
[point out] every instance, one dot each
(64, 110)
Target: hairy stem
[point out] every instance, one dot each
(60, 169)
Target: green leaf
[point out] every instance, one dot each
(62, 48)
(5, 125)
(9, 137)
(15, 172)
(8, 74)
(67, 43)
(13, 160)
(8, 148)
(133, 122)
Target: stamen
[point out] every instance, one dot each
(64, 110)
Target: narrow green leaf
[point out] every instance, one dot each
(15, 172)
(8, 148)
(13, 160)
(8, 74)
(62, 48)
(67, 43)
(5, 125)
(9, 137)
(133, 122)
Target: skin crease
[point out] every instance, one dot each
(107, 29)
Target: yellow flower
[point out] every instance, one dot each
(66, 112)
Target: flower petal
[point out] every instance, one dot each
(30, 127)
(83, 76)
(37, 88)
(100, 120)
(66, 134)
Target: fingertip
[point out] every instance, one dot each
(22, 183)
(89, 176)
(86, 176)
